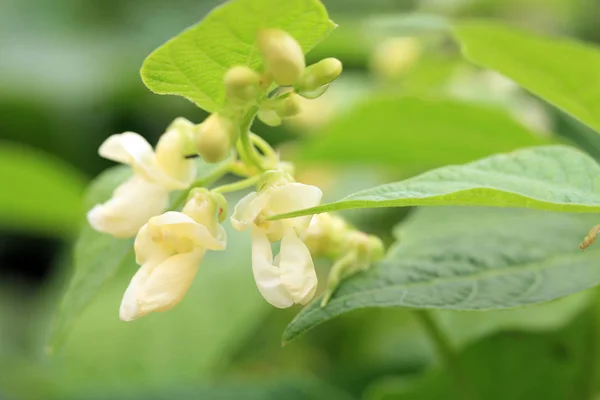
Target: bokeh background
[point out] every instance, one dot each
(69, 78)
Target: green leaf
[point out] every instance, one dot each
(188, 344)
(559, 70)
(97, 256)
(512, 365)
(193, 63)
(469, 259)
(415, 133)
(40, 193)
(552, 178)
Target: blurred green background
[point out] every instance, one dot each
(69, 78)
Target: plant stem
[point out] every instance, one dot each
(214, 176)
(264, 147)
(446, 352)
(239, 185)
(249, 152)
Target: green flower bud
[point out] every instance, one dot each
(269, 116)
(283, 58)
(288, 106)
(319, 74)
(214, 137)
(241, 85)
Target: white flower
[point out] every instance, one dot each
(132, 204)
(167, 167)
(169, 249)
(291, 277)
(155, 174)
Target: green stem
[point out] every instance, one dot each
(239, 185)
(264, 147)
(214, 176)
(249, 151)
(446, 352)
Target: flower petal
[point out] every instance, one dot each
(179, 172)
(128, 148)
(175, 229)
(267, 275)
(292, 197)
(133, 203)
(162, 287)
(247, 209)
(297, 269)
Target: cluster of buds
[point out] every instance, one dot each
(331, 237)
(284, 65)
(169, 245)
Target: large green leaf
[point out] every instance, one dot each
(414, 133)
(553, 178)
(40, 193)
(516, 366)
(193, 63)
(469, 259)
(560, 71)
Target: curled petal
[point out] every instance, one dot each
(131, 149)
(292, 197)
(159, 287)
(181, 233)
(179, 172)
(146, 249)
(247, 209)
(267, 275)
(133, 203)
(297, 269)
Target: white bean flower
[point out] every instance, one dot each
(145, 194)
(169, 249)
(290, 277)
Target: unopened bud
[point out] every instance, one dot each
(319, 74)
(241, 85)
(269, 116)
(282, 56)
(214, 137)
(288, 106)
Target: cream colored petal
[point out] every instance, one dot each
(181, 233)
(267, 275)
(170, 158)
(133, 203)
(291, 197)
(146, 249)
(297, 269)
(162, 287)
(127, 148)
(129, 309)
(247, 209)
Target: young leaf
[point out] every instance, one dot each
(552, 178)
(194, 63)
(469, 259)
(40, 193)
(412, 132)
(560, 71)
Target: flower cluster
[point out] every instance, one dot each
(170, 245)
